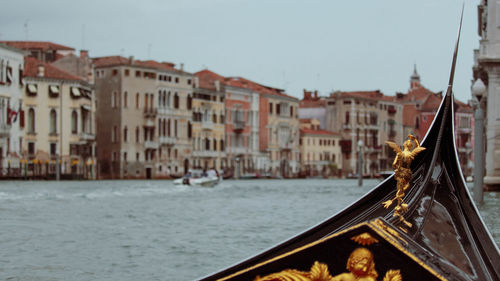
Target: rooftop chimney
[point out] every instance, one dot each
(40, 70)
(182, 66)
(196, 81)
(84, 54)
(131, 60)
(217, 85)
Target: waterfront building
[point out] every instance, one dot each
(209, 120)
(487, 68)
(369, 117)
(60, 124)
(11, 108)
(320, 152)
(279, 130)
(144, 118)
(41, 50)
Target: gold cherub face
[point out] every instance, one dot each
(360, 262)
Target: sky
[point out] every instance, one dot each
(293, 45)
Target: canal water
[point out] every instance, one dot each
(153, 230)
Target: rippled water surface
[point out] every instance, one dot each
(153, 230)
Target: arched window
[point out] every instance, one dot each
(221, 144)
(146, 102)
(168, 99)
(207, 144)
(125, 134)
(168, 127)
(189, 130)
(164, 98)
(125, 98)
(175, 128)
(214, 116)
(137, 134)
(74, 122)
(159, 97)
(31, 120)
(53, 122)
(215, 145)
(176, 100)
(151, 101)
(189, 102)
(160, 121)
(137, 100)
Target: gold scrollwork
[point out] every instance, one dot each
(403, 173)
(364, 239)
(360, 264)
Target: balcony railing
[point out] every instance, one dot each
(237, 150)
(4, 130)
(167, 140)
(151, 145)
(87, 136)
(391, 110)
(150, 112)
(206, 153)
(207, 125)
(238, 126)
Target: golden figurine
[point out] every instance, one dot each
(360, 264)
(402, 169)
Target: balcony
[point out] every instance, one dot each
(167, 141)
(391, 110)
(4, 130)
(149, 122)
(87, 136)
(207, 126)
(238, 126)
(206, 153)
(151, 145)
(150, 112)
(237, 150)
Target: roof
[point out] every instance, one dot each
(42, 45)
(317, 132)
(312, 103)
(463, 107)
(418, 94)
(119, 60)
(31, 70)
(207, 78)
(431, 103)
(372, 95)
(256, 87)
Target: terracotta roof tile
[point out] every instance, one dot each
(431, 103)
(43, 45)
(31, 70)
(207, 78)
(119, 60)
(312, 103)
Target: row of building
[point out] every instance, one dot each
(69, 115)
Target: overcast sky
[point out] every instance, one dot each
(322, 45)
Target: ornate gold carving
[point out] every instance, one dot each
(364, 239)
(402, 169)
(360, 264)
(389, 231)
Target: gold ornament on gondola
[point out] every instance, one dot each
(403, 173)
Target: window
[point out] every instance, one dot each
(53, 91)
(53, 122)
(146, 102)
(31, 148)
(31, 121)
(53, 148)
(270, 108)
(291, 111)
(175, 128)
(125, 134)
(127, 72)
(31, 89)
(176, 79)
(189, 81)
(125, 98)
(189, 102)
(74, 122)
(278, 109)
(114, 134)
(115, 72)
(176, 101)
(189, 130)
(347, 117)
(168, 127)
(137, 135)
(215, 145)
(137, 100)
(125, 156)
(221, 144)
(137, 73)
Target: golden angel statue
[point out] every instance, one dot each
(402, 169)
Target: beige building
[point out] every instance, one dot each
(59, 122)
(320, 152)
(208, 122)
(144, 118)
(369, 117)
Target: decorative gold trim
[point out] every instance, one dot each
(374, 225)
(403, 172)
(364, 239)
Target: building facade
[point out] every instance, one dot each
(60, 123)
(487, 68)
(143, 118)
(320, 151)
(11, 108)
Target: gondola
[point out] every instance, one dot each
(437, 234)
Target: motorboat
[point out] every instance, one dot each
(209, 178)
(434, 232)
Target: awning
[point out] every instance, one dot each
(75, 92)
(86, 107)
(54, 89)
(32, 89)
